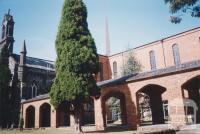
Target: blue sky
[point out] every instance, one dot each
(131, 23)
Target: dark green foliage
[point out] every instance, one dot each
(77, 58)
(21, 123)
(181, 7)
(132, 65)
(5, 76)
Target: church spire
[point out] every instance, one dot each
(24, 48)
(107, 38)
(23, 54)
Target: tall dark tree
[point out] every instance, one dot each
(5, 76)
(77, 61)
(180, 7)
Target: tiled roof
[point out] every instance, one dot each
(40, 97)
(36, 63)
(115, 81)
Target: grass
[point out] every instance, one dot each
(66, 131)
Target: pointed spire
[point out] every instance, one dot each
(9, 11)
(24, 48)
(107, 39)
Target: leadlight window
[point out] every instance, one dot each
(152, 60)
(176, 54)
(34, 90)
(115, 69)
(3, 32)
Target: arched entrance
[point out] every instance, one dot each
(88, 115)
(63, 115)
(30, 117)
(151, 105)
(192, 87)
(114, 108)
(45, 115)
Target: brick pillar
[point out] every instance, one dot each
(72, 121)
(53, 117)
(24, 114)
(37, 117)
(132, 114)
(176, 107)
(99, 122)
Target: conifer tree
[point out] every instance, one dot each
(180, 7)
(131, 65)
(5, 76)
(77, 60)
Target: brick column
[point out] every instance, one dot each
(176, 106)
(53, 117)
(99, 123)
(132, 114)
(72, 121)
(37, 117)
(24, 114)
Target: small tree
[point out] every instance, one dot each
(77, 61)
(5, 76)
(21, 123)
(132, 65)
(181, 7)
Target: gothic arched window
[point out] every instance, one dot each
(115, 69)
(3, 32)
(34, 90)
(176, 54)
(152, 60)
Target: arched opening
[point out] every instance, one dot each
(152, 109)
(45, 115)
(192, 88)
(88, 115)
(30, 117)
(114, 109)
(63, 114)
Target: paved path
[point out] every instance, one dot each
(190, 129)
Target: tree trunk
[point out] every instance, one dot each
(78, 109)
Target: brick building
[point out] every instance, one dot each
(170, 70)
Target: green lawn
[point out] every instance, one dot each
(65, 131)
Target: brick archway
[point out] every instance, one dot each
(154, 93)
(191, 90)
(30, 117)
(45, 115)
(119, 95)
(63, 115)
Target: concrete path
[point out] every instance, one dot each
(190, 129)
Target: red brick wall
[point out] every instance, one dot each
(189, 48)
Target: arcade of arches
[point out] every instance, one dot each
(141, 102)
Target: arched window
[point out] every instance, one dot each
(115, 69)
(101, 71)
(34, 90)
(3, 32)
(176, 54)
(152, 60)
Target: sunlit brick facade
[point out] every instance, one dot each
(170, 70)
